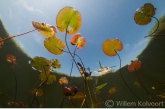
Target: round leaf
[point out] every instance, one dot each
(135, 65)
(54, 45)
(40, 63)
(109, 46)
(68, 17)
(78, 40)
(45, 29)
(143, 16)
(46, 76)
(55, 63)
(63, 80)
(112, 90)
(11, 58)
(148, 9)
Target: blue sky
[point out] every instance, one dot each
(101, 20)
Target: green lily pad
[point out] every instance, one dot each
(40, 63)
(55, 63)
(143, 16)
(45, 29)
(68, 17)
(54, 45)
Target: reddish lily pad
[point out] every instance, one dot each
(134, 66)
(63, 80)
(78, 40)
(11, 58)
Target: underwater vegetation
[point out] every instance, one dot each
(44, 87)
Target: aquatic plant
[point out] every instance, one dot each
(144, 14)
(134, 66)
(12, 59)
(69, 21)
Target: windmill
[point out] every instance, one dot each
(103, 70)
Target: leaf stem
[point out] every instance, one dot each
(124, 79)
(155, 29)
(15, 85)
(143, 86)
(62, 101)
(10, 37)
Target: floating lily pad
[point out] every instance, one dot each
(54, 45)
(68, 17)
(40, 63)
(109, 46)
(45, 29)
(143, 16)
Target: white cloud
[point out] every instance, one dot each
(127, 46)
(38, 39)
(142, 42)
(10, 14)
(28, 7)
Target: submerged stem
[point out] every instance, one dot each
(143, 85)
(39, 87)
(62, 101)
(155, 29)
(15, 86)
(124, 79)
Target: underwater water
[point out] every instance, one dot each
(89, 54)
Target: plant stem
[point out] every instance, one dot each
(44, 94)
(123, 78)
(62, 101)
(10, 37)
(155, 29)
(143, 86)
(72, 63)
(39, 87)
(15, 85)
